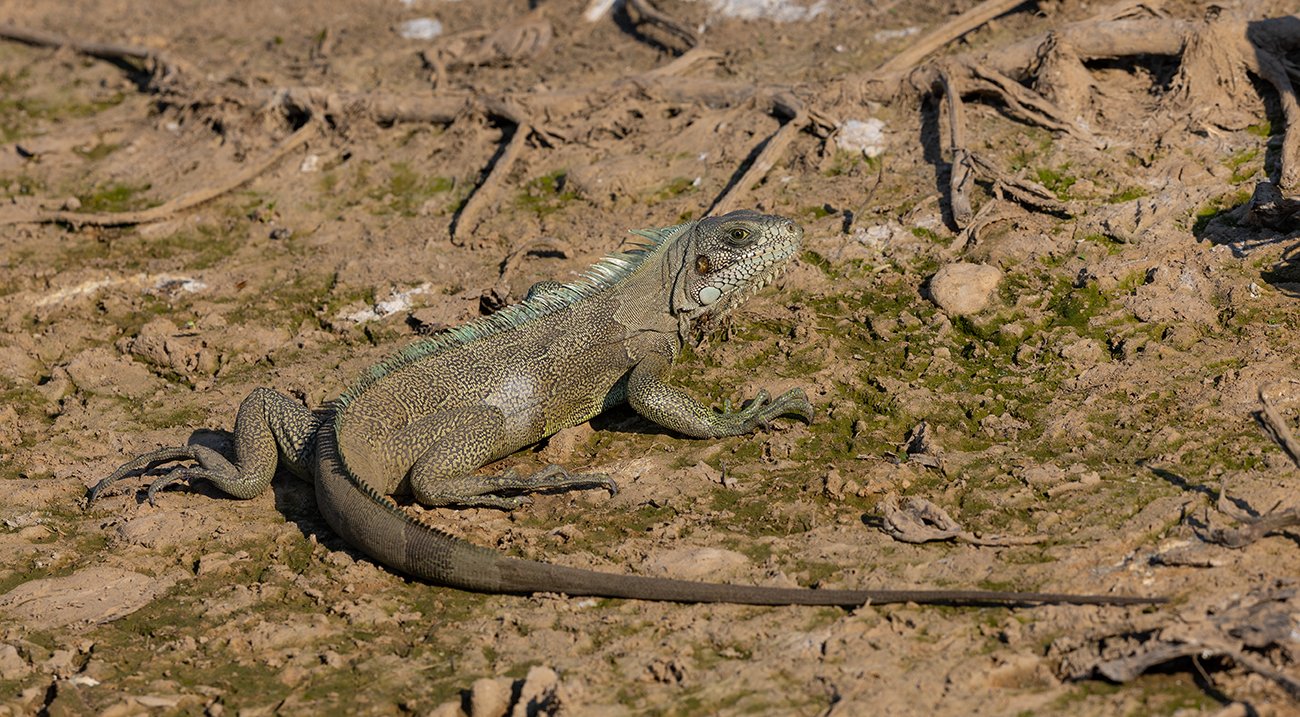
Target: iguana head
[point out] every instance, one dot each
(727, 259)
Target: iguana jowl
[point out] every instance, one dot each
(425, 420)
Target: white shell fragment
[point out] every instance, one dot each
(867, 137)
(421, 28)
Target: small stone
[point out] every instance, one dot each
(963, 288)
(448, 709)
(10, 430)
(12, 665)
(1083, 353)
(833, 485)
(1041, 476)
(488, 698)
(537, 693)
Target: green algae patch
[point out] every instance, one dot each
(546, 194)
(117, 197)
(405, 191)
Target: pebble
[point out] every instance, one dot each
(962, 288)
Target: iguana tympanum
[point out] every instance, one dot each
(423, 421)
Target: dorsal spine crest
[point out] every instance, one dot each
(598, 277)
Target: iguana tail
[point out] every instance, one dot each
(371, 521)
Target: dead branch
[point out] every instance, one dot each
(1255, 527)
(1025, 104)
(1269, 67)
(157, 63)
(544, 246)
(467, 219)
(679, 65)
(1248, 629)
(1129, 668)
(945, 34)
(920, 521)
(988, 215)
(1025, 191)
(643, 12)
(1090, 40)
(515, 40)
(1276, 426)
(1221, 48)
(174, 205)
(1268, 209)
(773, 149)
(961, 176)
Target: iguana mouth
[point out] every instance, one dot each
(778, 262)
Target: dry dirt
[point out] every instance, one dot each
(1078, 427)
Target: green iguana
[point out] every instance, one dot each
(423, 421)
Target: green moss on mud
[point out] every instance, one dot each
(673, 188)
(1217, 207)
(116, 197)
(405, 191)
(546, 194)
(21, 115)
(1127, 195)
(1057, 180)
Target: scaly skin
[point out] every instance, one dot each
(424, 421)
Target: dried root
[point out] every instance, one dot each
(920, 521)
(172, 206)
(1044, 82)
(1254, 527)
(1252, 632)
(1041, 81)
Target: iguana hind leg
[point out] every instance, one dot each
(462, 440)
(494, 491)
(270, 428)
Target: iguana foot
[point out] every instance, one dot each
(760, 411)
(212, 466)
(478, 491)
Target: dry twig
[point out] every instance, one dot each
(961, 174)
(467, 220)
(174, 205)
(1255, 527)
(1276, 425)
(773, 149)
(946, 33)
(920, 521)
(156, 62)
(645, 12)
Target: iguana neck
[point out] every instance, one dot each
(644, 301)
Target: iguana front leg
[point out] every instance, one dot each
(671, 407)
(270, 428)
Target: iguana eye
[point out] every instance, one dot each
(737, 235)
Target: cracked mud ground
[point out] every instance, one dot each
(1078, 426)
